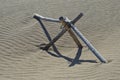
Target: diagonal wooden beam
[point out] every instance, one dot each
(74, 36)
(54, 39)
(90, 46)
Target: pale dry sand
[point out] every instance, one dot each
(20, 59)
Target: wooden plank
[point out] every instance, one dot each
(74, 37)
(68, 28)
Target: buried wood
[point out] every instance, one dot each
(90, 46)
(69, 26)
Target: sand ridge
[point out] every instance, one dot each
(20, 59)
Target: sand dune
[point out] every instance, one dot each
(20, 34)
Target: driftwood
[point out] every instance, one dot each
(69, 26)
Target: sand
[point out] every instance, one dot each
(20, 34)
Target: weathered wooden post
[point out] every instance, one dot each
(90, 46)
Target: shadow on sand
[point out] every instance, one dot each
(56, 53)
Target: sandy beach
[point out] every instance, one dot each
(21, 34)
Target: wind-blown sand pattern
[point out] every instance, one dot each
(20, 34)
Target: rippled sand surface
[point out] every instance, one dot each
(20, 34)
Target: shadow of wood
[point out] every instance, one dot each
(73, 61)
